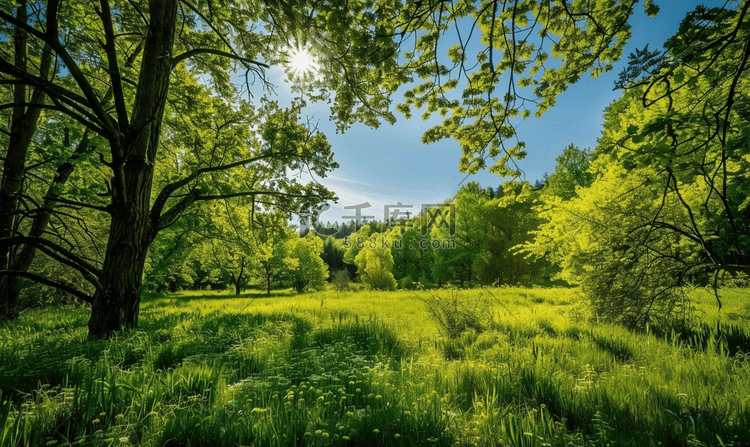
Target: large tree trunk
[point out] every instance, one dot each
(116, 305)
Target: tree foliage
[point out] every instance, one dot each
(669, 206)
(306, 270)
(375, 263)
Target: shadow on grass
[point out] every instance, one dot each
(199, 295)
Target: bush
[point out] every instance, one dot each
(407, 283)
(454, 316)
(340, 279)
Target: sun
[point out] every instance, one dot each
(301, 62)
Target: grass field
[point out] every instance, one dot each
(485, 367)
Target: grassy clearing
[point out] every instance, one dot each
(498, 367)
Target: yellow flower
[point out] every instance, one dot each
(376, 431)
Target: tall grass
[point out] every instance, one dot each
(490, 367)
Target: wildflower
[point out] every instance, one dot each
(396, 436)
(345, 438)
(376, 431)
(318, 432)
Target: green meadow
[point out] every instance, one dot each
(482, 367)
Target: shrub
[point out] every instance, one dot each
(340, 279)
(454, 316)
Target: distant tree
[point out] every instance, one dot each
(169, 265)
(354, 244)
(333, 254)
(407, 252)
(506, 222)
(456, 264)
(271, 234)
(375, 263)
(306, 269)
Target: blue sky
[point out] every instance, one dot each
(390, 164)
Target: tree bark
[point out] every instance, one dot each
(116, 306)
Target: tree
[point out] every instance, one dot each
(228, 247)
(165, 34)
(375, 263)
(602, 241)
(169, 265)
(504, 67)
(668, 207)
(693, 129)
(411, 257)
(456, 264)
(306, 270)
(354, 243)
(508, 221)
(271, 234)
(333, 254)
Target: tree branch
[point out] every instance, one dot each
(196, 51)
(48, 282)
(103, 209)
(65, 255)
(168, 190)
(113, 68)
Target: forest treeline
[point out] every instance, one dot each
(133, 159)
